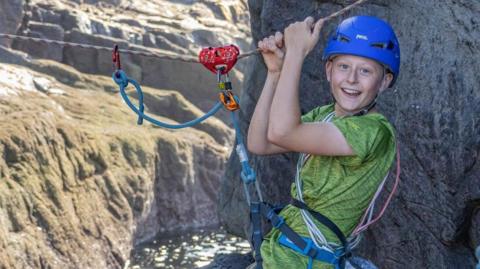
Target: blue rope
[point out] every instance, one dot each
(122, 80)
(247, 174)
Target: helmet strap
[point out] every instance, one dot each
(367, 108)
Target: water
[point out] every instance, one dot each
(186, 250)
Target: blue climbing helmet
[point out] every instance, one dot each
(368, 37)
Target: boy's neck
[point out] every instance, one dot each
(339, 112)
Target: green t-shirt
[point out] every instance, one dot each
(339, 187)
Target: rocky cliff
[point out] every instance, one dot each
(434, 219)
(80, 182)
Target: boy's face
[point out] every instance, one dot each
(355, 82)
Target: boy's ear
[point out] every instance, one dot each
(387, 79)
(328, 69)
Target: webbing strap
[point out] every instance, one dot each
(325, 221)
(279, 223)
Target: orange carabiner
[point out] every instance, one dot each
(228, 100)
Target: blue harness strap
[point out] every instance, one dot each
(257, 236)
(289, 238)
(322, 254)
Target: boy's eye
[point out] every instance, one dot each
(365, 71)
(343, 66)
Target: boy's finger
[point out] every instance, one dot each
(309, 21)
(279, 39)
(278, 52)
(261, 45)
(317, 28)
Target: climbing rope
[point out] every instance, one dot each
(122, 80)
(159, 55)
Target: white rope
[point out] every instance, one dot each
(315, 234)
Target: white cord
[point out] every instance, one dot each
(315, 234)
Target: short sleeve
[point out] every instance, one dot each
(317, 114)
(368, 136)
(311, 116)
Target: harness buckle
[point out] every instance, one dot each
(309, 250)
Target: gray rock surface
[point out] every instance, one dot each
(433, 220)
(12, 15)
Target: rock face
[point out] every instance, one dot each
(80, 183)
(165, 27)
(433, 220)
(12, 14)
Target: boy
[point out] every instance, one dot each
(347, 146)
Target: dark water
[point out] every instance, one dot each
(186, 250)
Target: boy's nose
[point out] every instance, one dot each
(352, 76)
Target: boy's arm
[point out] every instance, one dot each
(273, 54)
(257, 141)
(285, 127)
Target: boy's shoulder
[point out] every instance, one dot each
(318, 113)
(372, 122)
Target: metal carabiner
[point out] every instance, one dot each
(228, 100)
(116, 59)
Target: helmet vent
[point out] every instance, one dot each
(344, 39)
(388, 46)
(379, 45)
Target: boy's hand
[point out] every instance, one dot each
(301, 37)
(272, 50)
